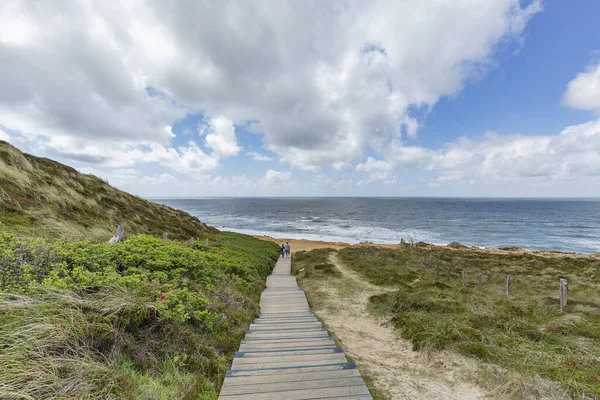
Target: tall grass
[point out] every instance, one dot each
(39, 196)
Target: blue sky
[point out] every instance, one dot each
(331, 99)
(523, 94)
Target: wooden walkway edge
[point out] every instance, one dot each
(288, 354)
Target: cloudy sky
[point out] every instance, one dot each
(309, 98)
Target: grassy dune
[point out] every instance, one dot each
(525, 345)
(42, 197)
(142, 319)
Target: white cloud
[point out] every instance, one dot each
(259, 157)
(377, 169)
(221, 137)
(160, 180)
(183, 159)
(493, 158)
(324, 80)
(583, 92)
(4, 136)
(273, 177)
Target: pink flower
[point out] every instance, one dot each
(162, 296)
(227, 303)
(74, 250)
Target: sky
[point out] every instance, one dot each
(315, 98)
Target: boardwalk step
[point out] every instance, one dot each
(288, 354)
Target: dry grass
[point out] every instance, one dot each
(527, 348)
(41, 197)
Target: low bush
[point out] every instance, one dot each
(146, 318)
(437, 307)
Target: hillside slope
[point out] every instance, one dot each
(46, 198)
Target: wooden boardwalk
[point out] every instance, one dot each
(287, 354)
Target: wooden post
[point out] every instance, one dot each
(119, 236)
(564, 291)
(464, 282)
(191, 242)
(165, 236)
(479, 280)
(429, 262)
(508, 282)
(206, 243)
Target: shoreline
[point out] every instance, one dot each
(308, 245)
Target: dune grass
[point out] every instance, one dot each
(524, 334)
(143, 319)
(43, 198)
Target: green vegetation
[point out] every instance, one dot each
(143, 319)
(43, 198)
(525, 333)
(315, 263)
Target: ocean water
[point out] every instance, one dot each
(532, 224)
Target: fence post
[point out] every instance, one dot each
(165, 236)
(508, 282)
(191, 242)
(479, 280)
(564, 291)
(464, 282)
(119, 236)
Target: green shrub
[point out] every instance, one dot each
(145, 318)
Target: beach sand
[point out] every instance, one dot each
(308, 245)
(304, 244)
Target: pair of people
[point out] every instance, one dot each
(285, 250)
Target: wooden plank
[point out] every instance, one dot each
(253, 388)
(284, 335)
(256, 345)
(326, 358)
(287, 354)
(284, 320)
(304, 394)
(288, 345)
(285, 326)
(297, 376)
(295, 370)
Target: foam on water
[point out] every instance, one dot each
(530, 224)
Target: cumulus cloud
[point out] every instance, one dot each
(322, 80)
(493, 158)
(273, 177)
(259, 157)
(377, 169)
(220, 137)
(583, 92)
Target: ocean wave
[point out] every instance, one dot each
(564, 228)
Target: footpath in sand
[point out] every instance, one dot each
(395, 369)
(287, 354)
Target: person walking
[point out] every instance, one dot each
(287, 249)
(282, 250)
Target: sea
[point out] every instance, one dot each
(567, 225)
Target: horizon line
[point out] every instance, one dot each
(378, 197)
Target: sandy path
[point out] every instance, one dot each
(376, 348)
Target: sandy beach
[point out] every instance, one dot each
(308, 245)
(305, 244)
